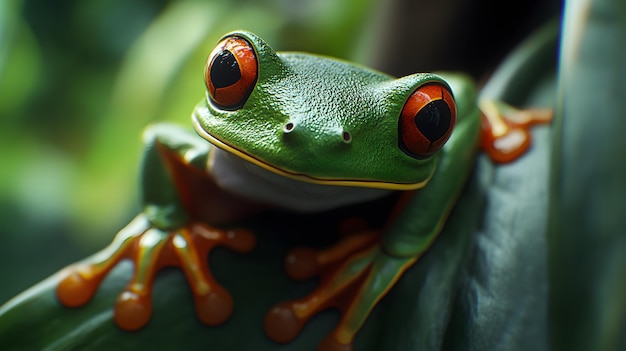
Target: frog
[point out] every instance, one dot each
(303, 133)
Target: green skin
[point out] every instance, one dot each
(323, 98)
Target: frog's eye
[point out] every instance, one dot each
(231, 72)
(426, 120)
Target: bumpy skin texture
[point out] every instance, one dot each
(323, 98)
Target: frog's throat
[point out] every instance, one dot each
(305, 177)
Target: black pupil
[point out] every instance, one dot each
(433, 120)
(225, 70)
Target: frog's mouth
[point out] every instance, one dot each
(374, 184)
(239, 176)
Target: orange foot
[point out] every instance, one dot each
(151, 249)
(505, 129)
(355, 274)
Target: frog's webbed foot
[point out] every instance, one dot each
(151, 249)
(506, 135)
(354, 275)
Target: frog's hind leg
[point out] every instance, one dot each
(505, 129)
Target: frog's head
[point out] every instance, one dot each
(323, 120)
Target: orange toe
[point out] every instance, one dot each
(214, 308)
(132, 311)
(74, 290)
(281, 323)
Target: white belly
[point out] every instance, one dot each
(244, 178)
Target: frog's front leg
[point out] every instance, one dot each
(166, 233)
(355, 274)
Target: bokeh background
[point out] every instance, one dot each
(79, 80)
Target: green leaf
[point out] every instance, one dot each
(588, 235)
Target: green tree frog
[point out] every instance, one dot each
(304, 133)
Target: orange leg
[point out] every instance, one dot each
(505, 129)
(355, 275)
(151, 249)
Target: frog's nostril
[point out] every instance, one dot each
(313, 134)
(289, 126)
(347, 137)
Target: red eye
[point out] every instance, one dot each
(231, 72)
(427, 120)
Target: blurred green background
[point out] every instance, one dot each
(79, 80)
